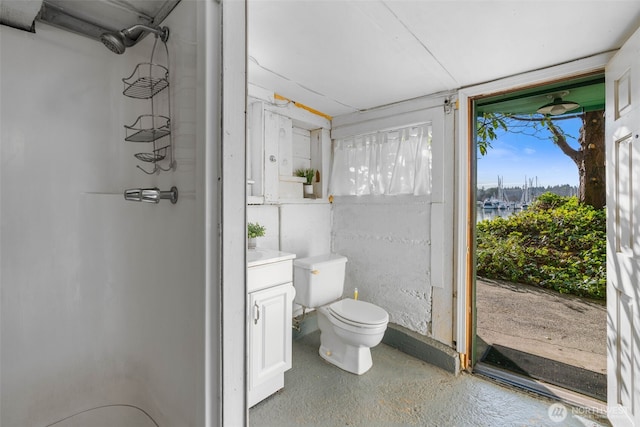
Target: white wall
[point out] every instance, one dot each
(303, 229)
(387, 243)
(102, 299)
(268, 217)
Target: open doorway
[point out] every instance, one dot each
(540, 307)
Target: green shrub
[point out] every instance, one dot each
(557, 243)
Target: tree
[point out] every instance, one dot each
(589, 157)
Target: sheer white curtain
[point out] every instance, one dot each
(383, 163)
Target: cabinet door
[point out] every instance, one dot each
(278, 152)
(270, 333)
(255, 148)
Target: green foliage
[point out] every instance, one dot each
(255, 230)
(487, 126)
(557, 243)
(308, 174)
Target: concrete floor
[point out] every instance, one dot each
(399, 390)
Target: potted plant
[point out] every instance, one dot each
(254, 230)
(309, 175)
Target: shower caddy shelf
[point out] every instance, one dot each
(147, 80)
(148, 128)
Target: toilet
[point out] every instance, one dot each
(348, 327)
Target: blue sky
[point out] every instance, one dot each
(516, 156)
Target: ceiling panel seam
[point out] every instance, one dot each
(255, 61)
(424, 46)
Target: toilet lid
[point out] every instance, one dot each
(358, 313)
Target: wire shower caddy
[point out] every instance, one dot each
(147, 80)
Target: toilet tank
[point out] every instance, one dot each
(318, 280)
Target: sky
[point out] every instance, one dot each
(515, 156)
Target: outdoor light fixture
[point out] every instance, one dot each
(558, 106)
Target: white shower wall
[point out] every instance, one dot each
(102, 299)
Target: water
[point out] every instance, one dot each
(482, 214)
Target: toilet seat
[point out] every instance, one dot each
(358, 313)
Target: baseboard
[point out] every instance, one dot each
(422, 347)
(409, 342)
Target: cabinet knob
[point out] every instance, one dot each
(272, 158)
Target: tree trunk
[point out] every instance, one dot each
(590, 158)
(592, 190)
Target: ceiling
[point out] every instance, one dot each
(340, 57)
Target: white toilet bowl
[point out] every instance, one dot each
(348, 330)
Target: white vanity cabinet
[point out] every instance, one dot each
(270, 304)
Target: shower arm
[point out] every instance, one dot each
(162, 32)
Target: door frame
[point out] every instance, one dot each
(465, 196)
(223, 59)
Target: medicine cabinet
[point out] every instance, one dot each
(282, 138)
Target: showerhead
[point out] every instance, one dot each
(113, 41)
(118, 41)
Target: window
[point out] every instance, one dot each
(390, 162)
